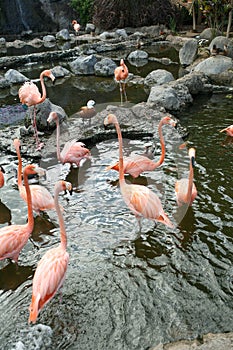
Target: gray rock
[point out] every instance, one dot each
(2, 41)
(209, 33)
(164, 96)
(49, 38)
(84, 65)
(121, 33)
(60, 72)
(90, 28)
(214, 65)
(138, 55)
(14, 77)
(188, 52)
(107, 35)
(158, 77)
(63, 35)
(105, 67)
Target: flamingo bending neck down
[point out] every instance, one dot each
(29, 95)
(185, 189)
(135, 165)
(121, 74)
(51, 269)
(41, 198)
(2, 181)
(73, 152)
(140, 199)
(228, 130)
(14, 237)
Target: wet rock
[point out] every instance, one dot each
(14, 77)
(49, 38)
(63, 35)
(2, 41)
(121, 33)
(138, 55)
(165, 96)
(158, 77)
(60, 72)
(105, 67)
(90, 28)
(188, 52)
(84, 65)
(214, 65)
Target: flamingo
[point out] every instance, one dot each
(121, 74)
(14, 237)
(41, 198)
(73, 152)
(135, 165)
(185, 189)
(76, 26)
(30, 96)
(228, 130)
(140, 199)
(51, 269)
(2, 171)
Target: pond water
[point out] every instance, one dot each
(126, 289)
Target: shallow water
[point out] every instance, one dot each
(125, 289)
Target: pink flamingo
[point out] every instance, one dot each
(185, 189)
(41, 198)
(14, 237)
(140, 199)
(30, 96)
(121, 74)
(73, 152)
(135, 165)
(2, 181)
(228, 130)
(76, 26)
(51, 270)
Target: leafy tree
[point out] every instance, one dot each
(84, 9)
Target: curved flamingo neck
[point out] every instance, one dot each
(30, 223)
(190, 183)
(43, 97)
(63, 236)
(58, 139)
(121, 166)
(19, 175)
(162, 144)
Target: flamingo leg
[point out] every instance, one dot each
(121, 90)
(39, 144)
(124, 91)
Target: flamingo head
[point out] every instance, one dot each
(32, 169)
(74, 22)
(52, 116)
(110, 119)
(168, 120)
(90, 104)
(48, 73)
(16, 143)
(192, 153)
(63, 186)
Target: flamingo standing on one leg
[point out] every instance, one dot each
(135, 165)
(30, 96)
(14, 237)
(76, 26)
(140, 199)
(185, 189)
(121, 73)
(51, 270)
(73, 152)
(228, 130)
(41, 197)
(2, 171)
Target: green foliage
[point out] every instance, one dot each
(215, 12)
(84, 9)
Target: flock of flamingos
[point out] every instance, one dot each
(143, 202)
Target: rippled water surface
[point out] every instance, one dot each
(127, 289)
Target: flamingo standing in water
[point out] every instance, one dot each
(185, 189)
(140, 199)
(29, 95)
(228, 130)
(73, 152)
(41, 198)
(135, 165)
(14, 237)
(2, 171)
(121, 74)
(76, 26)
(50, 272)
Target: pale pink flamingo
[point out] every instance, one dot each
(51, 269)
(29, 95)
(185, 188)
(41, 198)
(121, 74)
(76, 26)
(228, 130)
(140, 199)
(14, 237)
(135, 165)
(2, 181)
(73, 152)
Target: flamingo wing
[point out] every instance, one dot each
(48, 278)
(29, 94)
(12, 240)
(73, 152)
(41, 197)
(181, 189)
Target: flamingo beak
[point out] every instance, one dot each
(193, 162)
(40, 171)
(2, 170)
(223, 130)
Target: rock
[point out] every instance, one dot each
(107, 35)
(60, 72)
(165, 96)
(84, 65)
(2, 41)
(90, 28)
(49, 38)
(138, 55)
(105, 67)
(188, 52)
(209, 33)
(158, 77)
(14, 77)
(121, 33)
(63, 35)
(214, 65)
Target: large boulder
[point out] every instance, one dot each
(138, 55)
(158, 77)
(84, 65)
(214, 65)
(188, 52)
(105, 67)
(63, 35)
(209, 33)
(14, 77)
